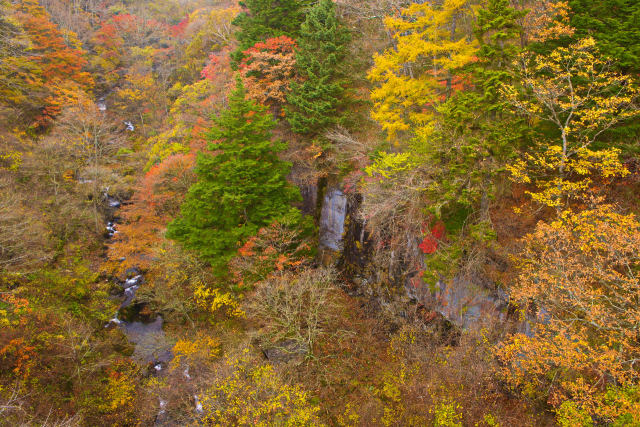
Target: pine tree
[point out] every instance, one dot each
(498, 31)
(241, 187)
(615, 26)
(323, 43)
(265, 19)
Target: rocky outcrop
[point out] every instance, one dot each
(332, 219)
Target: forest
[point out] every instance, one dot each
(320, 213)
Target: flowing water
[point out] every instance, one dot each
(151, 345)
(150, 342)
(332, 218)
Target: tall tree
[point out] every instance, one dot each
(576, 94)
(241, 187)
(210, 30)
(21, 84)
(440, 90)
(268, 69)
(315, 103)
(546, 23)
(90, 136)
(61, 61)
(263, 19)
(579, 274)
(475, 133)
(431, 40)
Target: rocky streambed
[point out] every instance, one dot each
(151, 344)
(144, 332)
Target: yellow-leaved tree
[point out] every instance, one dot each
(431, 40)
(576, 92)
(546, 20)
(245, 393)
(579, 273)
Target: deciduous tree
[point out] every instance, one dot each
(21, 85)
(474, 133)
(61, 63)
(208, 31)
(416, 74)
(577, 93)
(90, 137)
(189, 115)
(263, 19)
(579, 274)
(547, 20)
(268, 69)
(248, 393)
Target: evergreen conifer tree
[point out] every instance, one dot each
(264, 19)
(615, 24)
(241, 187)
(498, 32)
(476, 131)
(322, 48)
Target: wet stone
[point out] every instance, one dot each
(133, 271)
(133, 281)
(332, 218)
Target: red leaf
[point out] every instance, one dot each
(428, 245)
(438, 230)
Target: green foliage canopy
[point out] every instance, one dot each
(264, 19)
(315, 103)
(241, 186)
(615, 24)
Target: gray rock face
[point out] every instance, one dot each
(468, 305)
(462, 302)
(309, 195)
(332, 216)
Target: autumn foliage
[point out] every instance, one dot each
(430, 46)
(156, 200)
(430, 243)
(60, 62)
(578, 277)
(475, 160)
(267, 69)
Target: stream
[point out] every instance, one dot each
(460, 302)
(150, 343)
